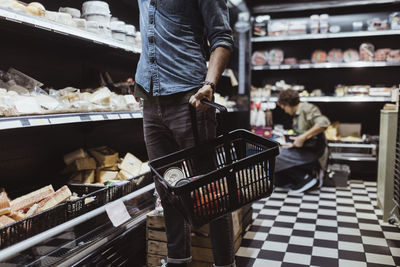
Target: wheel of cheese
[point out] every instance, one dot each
(319, 56)
(276, 57)
(367, 52)
(259, 58)
(350, 55)
(335, 55)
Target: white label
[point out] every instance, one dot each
(96, 117)
(65, 120)
(304, 66)
(285, 67)
(113, 116)
(137, 115)
(273, 67)
(38, 122)
(117, 212)
(125, 116)
(10, 124)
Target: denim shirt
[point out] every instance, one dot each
(173, 57)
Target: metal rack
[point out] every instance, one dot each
(324, 36)
(328, 65)
(47, 25)
(329, 99)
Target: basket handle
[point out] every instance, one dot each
(222, 109)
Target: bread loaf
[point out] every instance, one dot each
(5, 205)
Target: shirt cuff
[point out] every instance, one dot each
(222, 43)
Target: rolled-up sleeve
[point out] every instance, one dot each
(316, 117)
(215, 15)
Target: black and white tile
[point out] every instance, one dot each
(327, 227)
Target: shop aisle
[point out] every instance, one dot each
(328, 227)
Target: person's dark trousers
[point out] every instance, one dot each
(293, 175)
(168, 128)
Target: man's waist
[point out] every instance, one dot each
(175, 98)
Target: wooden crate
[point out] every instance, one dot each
(201, 250)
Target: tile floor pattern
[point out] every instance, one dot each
(327, 227)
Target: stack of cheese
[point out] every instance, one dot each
(102, 165)
(30, 204)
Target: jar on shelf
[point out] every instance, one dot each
(314, 24)
(324, 23)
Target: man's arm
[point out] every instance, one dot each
(218, 60)
(301, 139)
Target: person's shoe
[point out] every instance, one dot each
(165, 264)
(321, 174)
(307, 183)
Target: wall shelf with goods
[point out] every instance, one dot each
(328, 50)
(64, 89)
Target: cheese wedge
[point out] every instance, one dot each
(105, 157)
(74, 155)
(105, 176)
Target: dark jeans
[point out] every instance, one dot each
(168, 128)
(295, 174)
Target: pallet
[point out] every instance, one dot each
(201, 250)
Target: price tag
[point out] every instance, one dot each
(125, 116)
(117, 212)
(113, 116)
(65, 120)
(273, 67)
(285, 67)
(96, 117)
(38, 122)
(137, 115)
(304, 66)
(10, 124)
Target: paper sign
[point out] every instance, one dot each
(117, 212)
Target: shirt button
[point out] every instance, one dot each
(151, 21)
(152, 60)
(153, 2)
(151, 40)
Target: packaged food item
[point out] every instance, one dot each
(394, 20)
(357, 26)
(319, 56)
(393, 56)
(290, 61)
(36, 9)
(323, 23)
(64, 18)
(260, 27)
(93, 26)
(259, 58)
(314, 24)
(334, 29)
(173, 175)
(335, 55)
(350, 55)
(75, 13)
(367, 52)
(120, 36)
(95, 7)
(297, 27)
(103, 20)
(275, 57)
(130, 29)
(377, 24)
(52, 16)
(80, 23)
(278, 28)
(380, 91)
(381, 54)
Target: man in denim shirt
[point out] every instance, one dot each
(171, 73)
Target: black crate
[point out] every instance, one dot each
(33, 225)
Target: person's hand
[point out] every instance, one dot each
(298, 140)
(287, 146)
(206, 92)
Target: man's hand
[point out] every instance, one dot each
(206, 92)
(299, 140)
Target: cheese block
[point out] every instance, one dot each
(85, 164)
(144, 168)
(74, 155)
(105, 157)
(131, 164)
(76, 178)
(26, 105)
(5, 204)
(5, 220)
(105, 176)
(32, 210)
(101, 97)
(28, 200)
(111, 168)
(88, 177)
(17, 216)
(19, 89)
(47, 102)
(56, 198)
(124, 175)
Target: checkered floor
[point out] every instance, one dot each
(328, 227)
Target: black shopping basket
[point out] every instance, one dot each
(219, 175)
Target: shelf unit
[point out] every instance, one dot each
(326, 76)
(320, 36)
(57, 28)
(330, 99)
(328, 65)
